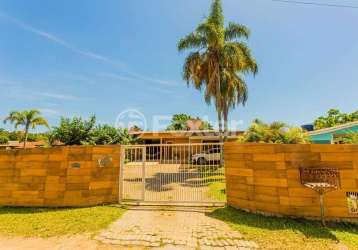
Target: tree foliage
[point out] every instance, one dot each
(179, 122)
(19, 136)
(350, 138)
(29, 119)
(4, 136)
(276, 132)
(106, 134)
(334, 117)
(217, 61)
(3, 139)
(77, 131)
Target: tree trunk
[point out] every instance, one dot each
(219, 103)
(26, 135)
(220, 121)
(226, 127)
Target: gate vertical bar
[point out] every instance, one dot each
(144, 151)
(121, 169)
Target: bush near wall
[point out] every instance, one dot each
(265, 178)
(59, 176)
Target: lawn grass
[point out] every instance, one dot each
(217, 191)
(285, 233)
(45, 222)
(217, 186)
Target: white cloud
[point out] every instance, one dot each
(61, 41)
(51, 112)
(154, 80)
(15, 90)
(115, 76)
(130, 76)
(58, 96)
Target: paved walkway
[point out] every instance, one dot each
(178, 229)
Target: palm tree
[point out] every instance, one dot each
(216, 60)
(28, 118)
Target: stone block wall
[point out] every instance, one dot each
(265, 178)
(60, 176)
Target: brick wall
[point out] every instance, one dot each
(265, 178)
(60, 176)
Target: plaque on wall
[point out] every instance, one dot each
(320, 178)
(105, 161)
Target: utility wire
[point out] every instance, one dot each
(317, 4)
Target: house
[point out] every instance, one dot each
(20, 145)
(176, 146)
(179, 137)
(191, 133)
(331, 135)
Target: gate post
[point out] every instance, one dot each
(144, 158)
(121, 168)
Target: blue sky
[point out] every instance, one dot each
(104, 56)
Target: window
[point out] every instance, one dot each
(352, 198)
(214, 150)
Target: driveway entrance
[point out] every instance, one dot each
(173, 174)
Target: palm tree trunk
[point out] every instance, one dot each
(219, 103)
(26, 135)
(220, 121)
(226, 129)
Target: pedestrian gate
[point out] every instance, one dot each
(173, 173)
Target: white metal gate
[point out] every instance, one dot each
(173, 173)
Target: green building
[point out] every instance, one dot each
(332, 135)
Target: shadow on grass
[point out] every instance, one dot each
(36, 210)
(311, 229)
(32, 210)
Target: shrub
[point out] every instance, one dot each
(179, 122)
(276, 132)
(4, 139)
(15, 136)
(350, 138)
(335, 117)
(75, 131)
(106, 134)
(34, 137)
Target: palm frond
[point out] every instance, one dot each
(192, 70)
(213, 34)
(216, 15)
(236, 31)
(192, 41)
(39, 121)
(249, 60)
(15, 117)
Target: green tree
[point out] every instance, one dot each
(350, 138)
(75, 131)
(334, 117)
(30, 119)
(3, 139)
(4, 136)
(15, 136)
(276, 132)
(106, 134)
(179, 122)
(216, 60)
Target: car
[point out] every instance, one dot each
(209, 156)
